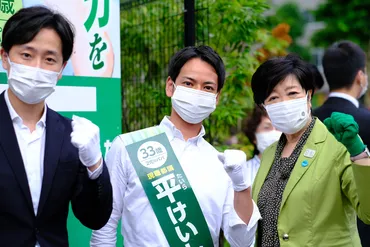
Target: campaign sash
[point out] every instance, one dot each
(167, 188)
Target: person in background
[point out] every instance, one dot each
(261, 133)
(344, 65)
(345, 71)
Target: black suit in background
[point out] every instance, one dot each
(362, 117)
(65, 179)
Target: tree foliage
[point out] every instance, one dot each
(344, 20)
(150, 34)
(291, 14)
(233, 30)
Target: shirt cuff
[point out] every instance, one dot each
(95, 174)
(235, 219)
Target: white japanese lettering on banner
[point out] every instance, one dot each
(167, 187)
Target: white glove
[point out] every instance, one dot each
(85, 137)
(235, 164)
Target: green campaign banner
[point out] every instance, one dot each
(167, 188)
(7, 9)
(91, 82)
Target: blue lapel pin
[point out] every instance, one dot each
(304, 163)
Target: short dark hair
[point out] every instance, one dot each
(317, 76)
(341, 62)
(275, 70)
(205, 53)
(251, 125)
(24, 25)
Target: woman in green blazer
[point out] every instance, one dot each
(313, 181)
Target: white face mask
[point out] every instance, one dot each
(265, 139)
(31, 85)
(364, 88)
(192, 105)
(289, 116)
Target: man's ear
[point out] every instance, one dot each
(218, 97)
(61, 70)
(359, 78)
(170, 88)
(4, 58)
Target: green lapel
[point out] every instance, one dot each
(306, 159)
(318, 135)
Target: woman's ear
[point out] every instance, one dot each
(309, 99)
(309, 95)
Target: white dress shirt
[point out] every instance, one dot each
(252, 168)
(346, 97)
(250, 173)
(32, 147)
(209, 181)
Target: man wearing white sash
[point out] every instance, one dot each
(195, 79)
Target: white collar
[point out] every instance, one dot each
(346, 97)
(172, 132)
(14, 115)
(257, 158)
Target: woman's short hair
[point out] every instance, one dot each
(275, 70)
(318, 78)
(251, 125)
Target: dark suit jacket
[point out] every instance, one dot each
(65, 180)
(362, 117)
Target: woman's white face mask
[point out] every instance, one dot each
(266, 138)
(289, 116)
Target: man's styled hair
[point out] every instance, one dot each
(24, 25)
(341, 63)
(205, 53)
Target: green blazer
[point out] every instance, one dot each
(320, 200)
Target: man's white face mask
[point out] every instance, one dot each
(192, 105)
(31, 85)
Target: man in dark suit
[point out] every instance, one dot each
(345, 71)
(46, 160)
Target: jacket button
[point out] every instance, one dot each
(285, 237)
